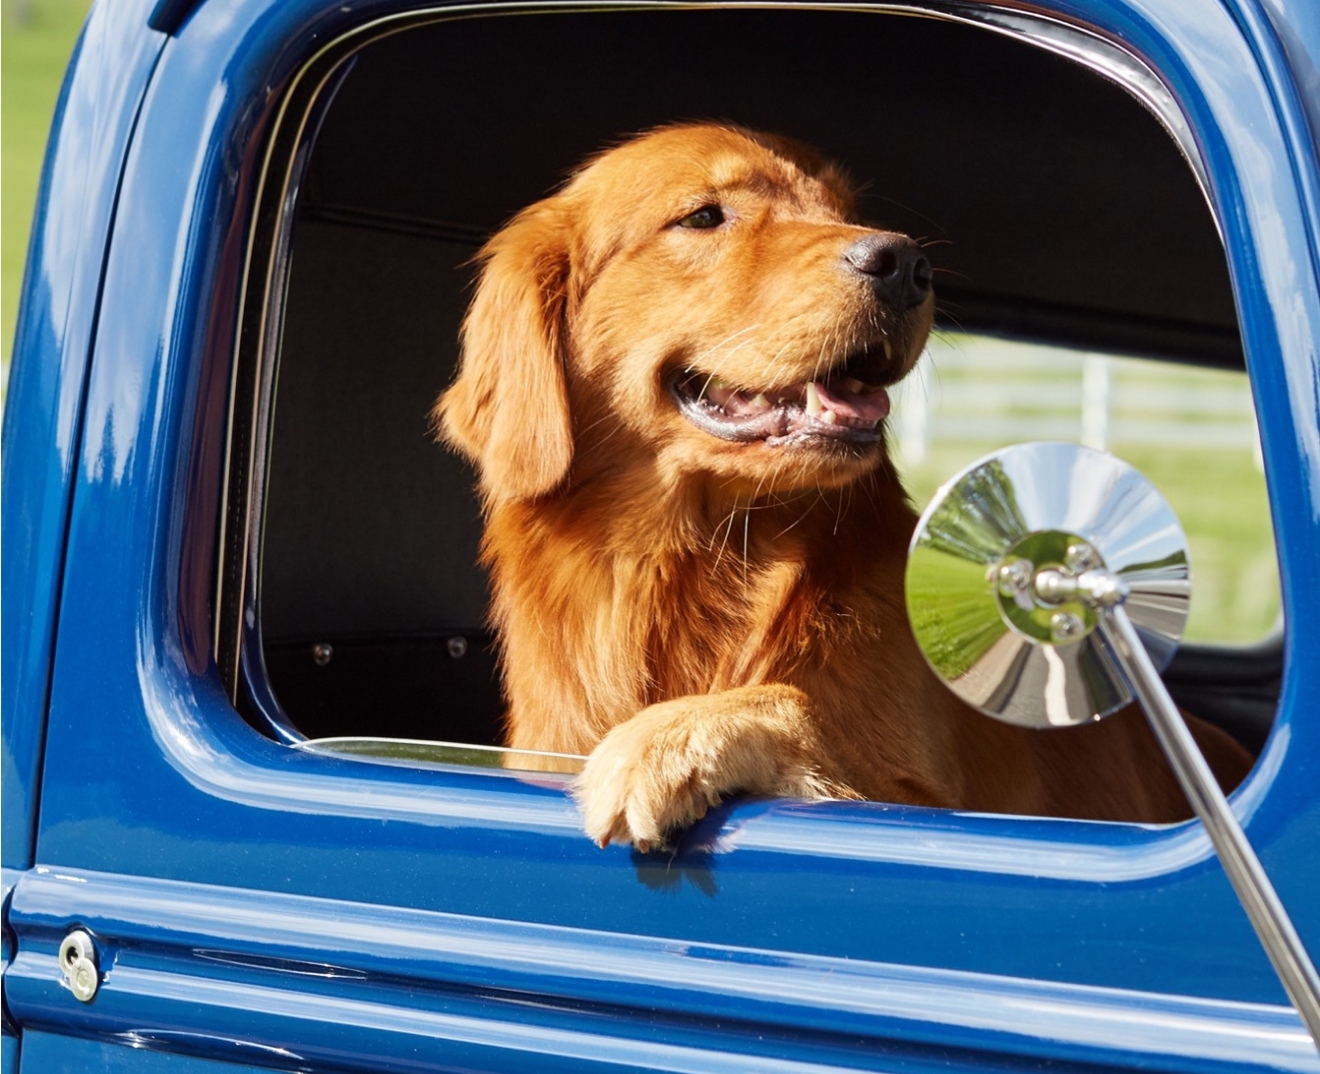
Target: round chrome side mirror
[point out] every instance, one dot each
(1047, 584)
(1011, 567)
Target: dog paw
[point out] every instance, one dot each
(658, 773)
(629, 795)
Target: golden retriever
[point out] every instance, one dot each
(673, 385)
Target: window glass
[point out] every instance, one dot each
(1189, 429)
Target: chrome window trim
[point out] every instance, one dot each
(414, 752)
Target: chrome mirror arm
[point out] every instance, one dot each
(1245, 873)
(1046, 585)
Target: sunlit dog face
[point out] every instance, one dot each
(706, 292)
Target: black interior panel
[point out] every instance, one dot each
(1059, 206)
(432, 686)
(370, 526)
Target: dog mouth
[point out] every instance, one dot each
(840, 407)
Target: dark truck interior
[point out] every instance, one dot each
(1061, 210)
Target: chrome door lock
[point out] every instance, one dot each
(78, 964)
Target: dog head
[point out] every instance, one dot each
(698, 300)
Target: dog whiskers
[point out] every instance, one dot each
(704, 357)
(728, 530)
(747, 529)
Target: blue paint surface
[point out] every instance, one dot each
(84, 158)
(300, 875)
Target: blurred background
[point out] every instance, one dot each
(1190, 430)
(36, 40)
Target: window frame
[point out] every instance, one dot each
(238, 648)
(194, 795)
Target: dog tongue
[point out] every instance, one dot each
(844, 398)
(867, 403)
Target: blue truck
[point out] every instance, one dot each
(254, 811)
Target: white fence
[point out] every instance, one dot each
(980, 389)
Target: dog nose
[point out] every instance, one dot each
(898, 270)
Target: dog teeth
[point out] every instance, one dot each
(760, 402)
(829, 417)
(814, 405)
(853, 385)
(889, 350)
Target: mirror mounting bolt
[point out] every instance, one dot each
(1054, 586)
(1065, 627)
(1101, 589)
(1081, 557)
(1015, 577)
(1095, 588)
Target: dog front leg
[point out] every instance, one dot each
(659, 772)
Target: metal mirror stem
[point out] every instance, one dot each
(1244, 870)
(1047, 585)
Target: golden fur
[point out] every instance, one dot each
(701, 614)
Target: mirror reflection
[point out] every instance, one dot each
(974, 586)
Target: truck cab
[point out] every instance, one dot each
(253, 784)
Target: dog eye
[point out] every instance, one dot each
(708, 216)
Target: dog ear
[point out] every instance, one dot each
(507, 410)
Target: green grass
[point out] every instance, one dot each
(1220, 498)
(36, 40)
(954, 612)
